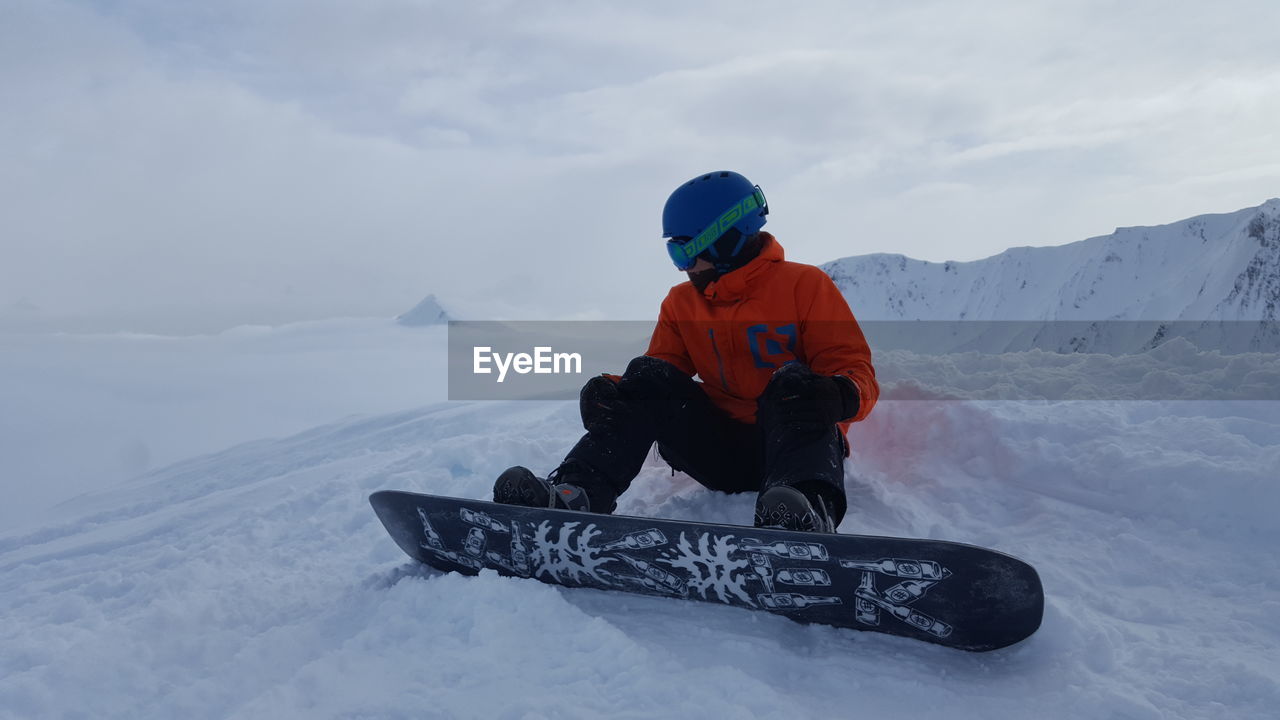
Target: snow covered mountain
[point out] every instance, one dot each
(1187, 276)
(426, 312)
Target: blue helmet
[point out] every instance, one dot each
(702, 210)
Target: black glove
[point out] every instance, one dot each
(601, 404)
(798, 395)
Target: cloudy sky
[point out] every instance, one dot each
(190, 166)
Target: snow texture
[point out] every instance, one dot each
(257, 583)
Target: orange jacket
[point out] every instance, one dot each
(748, 323)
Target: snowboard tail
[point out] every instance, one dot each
(952, 594)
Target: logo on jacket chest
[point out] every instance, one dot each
(771, 347)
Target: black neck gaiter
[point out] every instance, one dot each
(750, 250)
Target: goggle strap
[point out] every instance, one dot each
(706, 239)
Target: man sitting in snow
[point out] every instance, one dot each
(784, 370)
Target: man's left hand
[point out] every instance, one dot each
(799, 395)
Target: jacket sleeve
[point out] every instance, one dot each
(833, 342)
(666, 342)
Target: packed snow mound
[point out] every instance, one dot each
(427, 312)
(1221, 267)
(257, 582)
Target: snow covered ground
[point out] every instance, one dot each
(257, 583)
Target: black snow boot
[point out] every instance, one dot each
(519, 486)
(789, 508)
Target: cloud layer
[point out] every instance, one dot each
(185, 166)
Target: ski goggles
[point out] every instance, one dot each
(684, 253)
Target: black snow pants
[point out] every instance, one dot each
(655, 402)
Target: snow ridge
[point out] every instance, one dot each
(1218, 267)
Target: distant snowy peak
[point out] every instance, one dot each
(427, 312)
(1206, 268)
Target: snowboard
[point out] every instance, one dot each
(952, 594)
